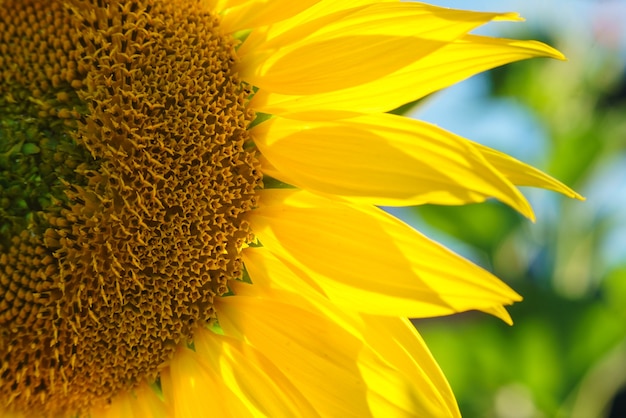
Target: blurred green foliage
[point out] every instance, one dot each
(566, 354)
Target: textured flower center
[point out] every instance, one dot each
(124, 181)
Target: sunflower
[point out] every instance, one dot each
(189, 205)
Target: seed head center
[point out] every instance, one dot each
(124, 183)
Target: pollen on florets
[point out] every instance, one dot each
(124, 183)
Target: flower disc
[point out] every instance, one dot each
(124, 182)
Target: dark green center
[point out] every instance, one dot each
(37, 156)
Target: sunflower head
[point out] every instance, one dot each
(125, 175)
(131, 177)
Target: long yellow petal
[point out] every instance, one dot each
(284, 282)
(141, 402)
(227, 378)
(221, 5)
(523, 174)
(368, 44)
(309, 349)
(393, 395)
(398, 339)
(251, 376)
(255, 13)
(393, 339)
(383, 160)
(192, 389)
(454, 62)
(303, 24)
(368, 261)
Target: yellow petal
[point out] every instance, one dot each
(500, 312)
(454, 62)
(284, 282)
(383, 160)
(395, 396)
(222, 5)
(255, 13)
(397, 338)
(147, 404)
(192, 389)
(393, 339)
(372, 42)
(141, 402)
(523, 174)
(332, 368)
(312, 351)
(302, 24)
(251, 376)
(368, 261)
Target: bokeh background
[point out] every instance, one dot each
(566, 354)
